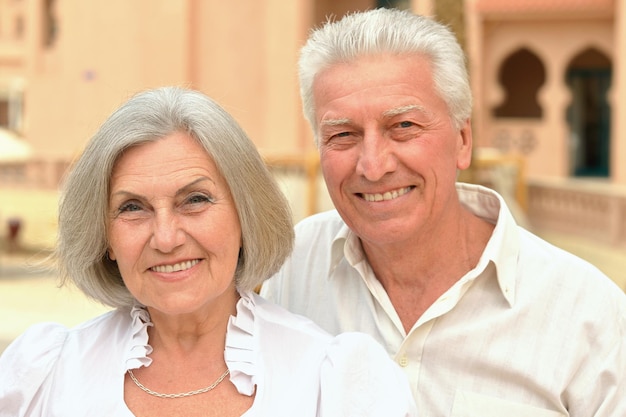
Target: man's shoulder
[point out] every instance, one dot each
(327, 219)
(320, 226)
(304, 275)
(548, 264)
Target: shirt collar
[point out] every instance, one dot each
(346, 244)
(503, 246)
(337, 247)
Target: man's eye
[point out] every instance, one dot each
(406, 124)
(338, 136)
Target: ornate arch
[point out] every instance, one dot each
(520, 76)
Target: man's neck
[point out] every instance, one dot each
(415, 274)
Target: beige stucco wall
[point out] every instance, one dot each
(104, 52)
(242, 54)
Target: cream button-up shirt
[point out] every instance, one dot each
(531, 331)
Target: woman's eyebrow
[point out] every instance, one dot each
(184, 189)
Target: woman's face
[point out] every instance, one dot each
(173, 227)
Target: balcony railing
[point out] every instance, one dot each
(585, 208)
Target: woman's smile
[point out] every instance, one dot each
(179, 266)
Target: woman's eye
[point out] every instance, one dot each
(129, 207)
(199, 199)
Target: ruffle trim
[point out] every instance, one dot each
(241, 347)
(139, 347)
(240, 344)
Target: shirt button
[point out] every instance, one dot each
(403, 361)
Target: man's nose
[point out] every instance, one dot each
(376, 157)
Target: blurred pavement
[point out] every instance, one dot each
(29, 295)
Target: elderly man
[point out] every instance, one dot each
(485, 318)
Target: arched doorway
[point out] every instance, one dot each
(589, 115)
(521, 75)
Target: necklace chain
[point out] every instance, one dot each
(179, 395)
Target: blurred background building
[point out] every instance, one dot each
(548, 76)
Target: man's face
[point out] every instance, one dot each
(389, 151)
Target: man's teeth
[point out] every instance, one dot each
(389, 195)
(174, 268)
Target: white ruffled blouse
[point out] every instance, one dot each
(294, 367)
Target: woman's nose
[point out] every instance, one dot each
(167, 233)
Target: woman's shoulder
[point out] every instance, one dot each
(351, 371)
(269, 325)
(41, 344)
(49, 358)
(274, 321)
(39, 341)
(25, 364)
(279, 319)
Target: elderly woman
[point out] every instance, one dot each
(171, 217)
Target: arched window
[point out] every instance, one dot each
(521, 75)
(589, 78)
(397, 4)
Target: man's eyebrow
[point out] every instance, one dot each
(403, 109)
(387, 113)
(335, 122)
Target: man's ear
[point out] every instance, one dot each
(464, 146)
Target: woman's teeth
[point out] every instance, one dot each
(174, 268)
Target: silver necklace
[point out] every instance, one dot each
(179, 395)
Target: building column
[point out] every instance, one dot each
(618, 118)
(474, 51)
(423, 7)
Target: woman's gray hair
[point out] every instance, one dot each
(392, 31)
(264, 214)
